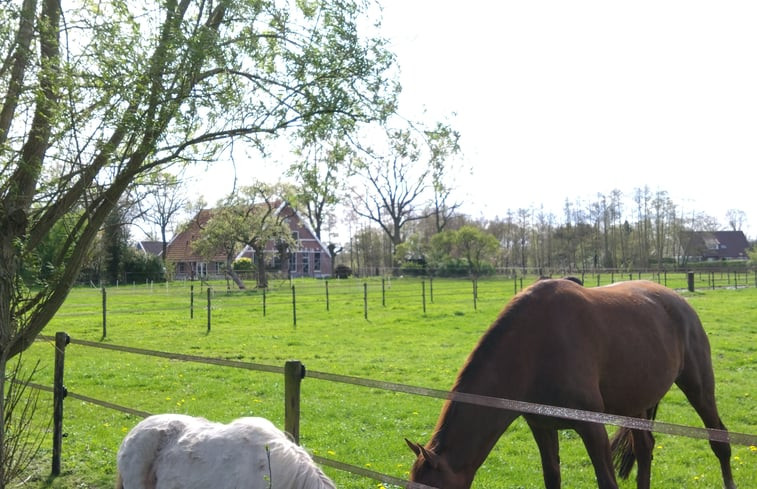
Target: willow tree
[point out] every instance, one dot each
(102, 93)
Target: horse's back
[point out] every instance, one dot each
(616, 348)
(181, 452)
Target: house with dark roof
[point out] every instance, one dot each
(311, 258)
(714, 245)
(150, 247)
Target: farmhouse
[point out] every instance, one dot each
(311, 258)
(714, 245)
(150, 247)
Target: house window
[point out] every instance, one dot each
(293, 262)
(296, 236)
(202, 269)
(305, 264)
(317, 262)
(180, 267)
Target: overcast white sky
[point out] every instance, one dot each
(559, 100)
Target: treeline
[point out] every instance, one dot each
(609, 232)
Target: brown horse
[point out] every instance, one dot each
(614, 349)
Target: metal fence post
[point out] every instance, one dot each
(294, 372)
(59, 393)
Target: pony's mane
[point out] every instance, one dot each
(288, 454)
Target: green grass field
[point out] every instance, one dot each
(361, 426)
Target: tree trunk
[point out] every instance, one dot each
(262, 278)
(3, 454)
(233, 274)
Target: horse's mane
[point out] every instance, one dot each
(487, 346)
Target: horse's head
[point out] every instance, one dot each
(433, 470)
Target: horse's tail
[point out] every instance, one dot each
(622, 447)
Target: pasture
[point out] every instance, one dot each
(366, 427)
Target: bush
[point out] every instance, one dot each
(243, 265)
(141, 267)
(342, 271)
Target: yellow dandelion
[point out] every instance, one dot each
(331, 452)
(753, 448)
(368, 464)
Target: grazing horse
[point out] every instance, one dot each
(173, 451)
(614, 349)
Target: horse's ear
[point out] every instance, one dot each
(430, 457)
(416, 448)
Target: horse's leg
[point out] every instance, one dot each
(700, 391)
(549, 448)
(643, 444)
(597, 445)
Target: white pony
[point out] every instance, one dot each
(173, 451)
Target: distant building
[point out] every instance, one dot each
(714, 245)
(311, 258)
(150, 247)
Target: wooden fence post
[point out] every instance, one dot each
(423, 293)
(383, 291)
(209, 309)
(690, 280)
(294, 306)
(105, 312)
(191, 301)
(365, 300)
(294, 372)
(328, 306)
(59, 393)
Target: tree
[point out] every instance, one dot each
(393, 183)
(444, 143)
(736, 219)
(319, 178)
(157, 201)
(115, 244)
(476, 247)
(118, 90)
(217, 235)
(254, 216)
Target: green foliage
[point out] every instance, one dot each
(469, 248)
(114, 247)
(142, 267)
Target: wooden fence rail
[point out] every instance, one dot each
(294, 373)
